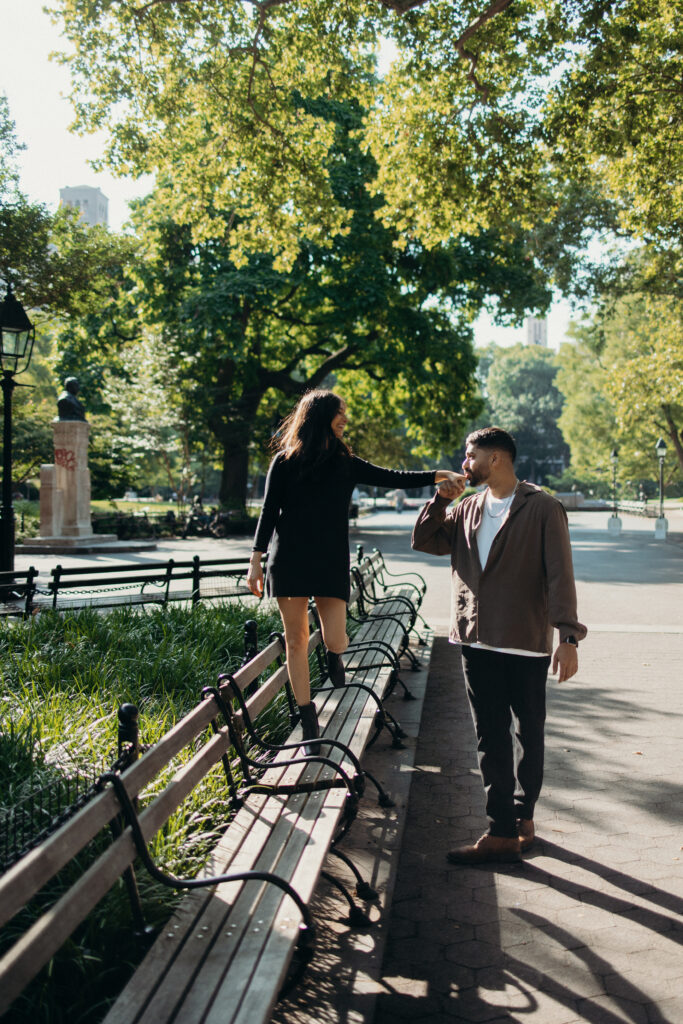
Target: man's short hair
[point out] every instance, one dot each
(494, 437)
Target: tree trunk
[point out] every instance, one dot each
(675, 435)
(235, 474)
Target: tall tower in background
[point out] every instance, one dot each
(91, 203)
(536, 331)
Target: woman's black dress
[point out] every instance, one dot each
(304, 523)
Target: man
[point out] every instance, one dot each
(512, 582)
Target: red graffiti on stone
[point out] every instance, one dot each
(65, 457)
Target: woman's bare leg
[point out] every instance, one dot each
(332, 611)
(333, 623)
(294, 612)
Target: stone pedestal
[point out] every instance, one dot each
(65, 524)
(72, 478)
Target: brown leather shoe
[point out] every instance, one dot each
(488, 849)
(526, 833)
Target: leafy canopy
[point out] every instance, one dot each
(490, 115)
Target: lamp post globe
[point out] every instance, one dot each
(17, 335)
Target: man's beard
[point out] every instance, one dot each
(476, 478)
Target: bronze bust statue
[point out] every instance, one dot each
(68, 405)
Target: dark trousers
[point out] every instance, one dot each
(507, 690)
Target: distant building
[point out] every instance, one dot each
(536, 331)
(91, 203)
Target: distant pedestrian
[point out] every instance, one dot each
(304, 524)
(513, 582)
(400, 499)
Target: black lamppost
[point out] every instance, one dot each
(17, 335)
(660, 452)
(614, 522)
(614, 459)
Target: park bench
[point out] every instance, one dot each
(231, 946)
(639, 508)
(142, 583)
(17, 591)
(388, 610)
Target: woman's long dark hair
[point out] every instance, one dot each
(306, 433)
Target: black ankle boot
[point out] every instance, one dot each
(335, 669)
(309, 727)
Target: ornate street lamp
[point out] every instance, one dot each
(17, 335)
(661, 524)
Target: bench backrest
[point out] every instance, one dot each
(15, 586)
(26, 878)
(62, 578)
(190, 575)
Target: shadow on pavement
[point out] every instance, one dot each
(557, 937)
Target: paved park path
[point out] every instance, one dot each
(590, 927)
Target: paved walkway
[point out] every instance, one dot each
(589, 928)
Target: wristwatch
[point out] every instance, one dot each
(571, 640)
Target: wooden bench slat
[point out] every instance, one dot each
(50, 931)
(161, 957)
(246, 674)
(289, 837)
(263, 829)
(30, 873)
(159, 960)
(237, 1000)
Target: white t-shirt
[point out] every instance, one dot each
(494, 514)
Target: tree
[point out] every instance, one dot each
(588, 421)
(148, 414)
(250, 339)
(647, 385)
(388, 322)
(9, 147)
(522, 397)
(617, 110)
(623, 386)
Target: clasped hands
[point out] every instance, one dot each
(451, 485)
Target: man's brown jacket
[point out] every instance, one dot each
(527, 586)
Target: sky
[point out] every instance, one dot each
(37, 90)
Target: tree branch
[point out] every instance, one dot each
(494, 8)
(491, 11)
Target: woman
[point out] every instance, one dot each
(305, 521)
